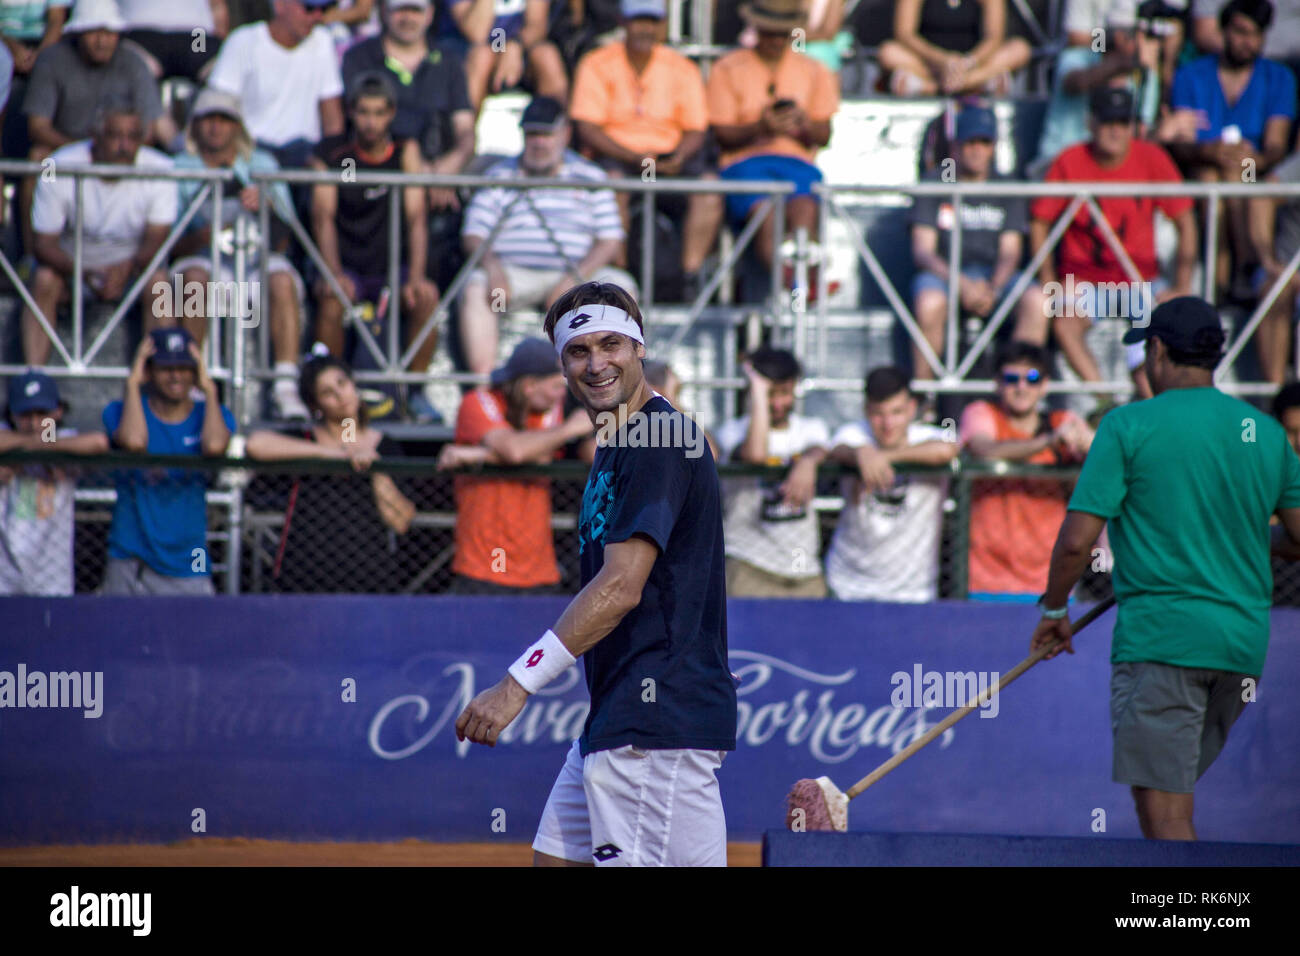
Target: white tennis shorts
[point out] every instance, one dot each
(634, 807)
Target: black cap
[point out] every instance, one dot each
(542, 114)
(1111, 103)
(1186, 324)
(171, 347)
(530, 357)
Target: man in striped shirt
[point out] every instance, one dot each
(549, 240)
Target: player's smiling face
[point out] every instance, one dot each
(604, 369)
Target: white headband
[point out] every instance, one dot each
(594, 318)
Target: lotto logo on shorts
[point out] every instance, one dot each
(606, 852)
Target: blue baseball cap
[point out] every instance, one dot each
(977, 122)
(33, 392)
(171, 347)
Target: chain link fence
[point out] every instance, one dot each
(319, 527)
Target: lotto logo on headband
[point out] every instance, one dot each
(586, 319)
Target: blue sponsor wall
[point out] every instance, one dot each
(235, 706)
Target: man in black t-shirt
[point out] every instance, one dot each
(638, 788)
(433, 106)
(351, 222)
(992, 242)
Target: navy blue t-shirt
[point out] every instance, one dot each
(677, 635)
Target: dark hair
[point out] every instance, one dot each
(592, 293)
(887, 381)
(1261, 11)
(312, 369)
(1018, 350)
(657, 372)
(1206, 350)
(1286, 399)
(371, 83)
(775, 365)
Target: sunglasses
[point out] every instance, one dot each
(1032, 377)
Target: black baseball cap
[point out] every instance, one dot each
(543, 114)
(530, 357)
(1110, 104)
(1187, 324)
(171, 347)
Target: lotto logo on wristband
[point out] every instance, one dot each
(535, 659)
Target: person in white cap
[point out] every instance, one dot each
(218, 139)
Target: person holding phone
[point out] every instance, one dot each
(770, 109)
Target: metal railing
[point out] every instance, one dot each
(787, 314)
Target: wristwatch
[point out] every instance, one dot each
(1051, 613)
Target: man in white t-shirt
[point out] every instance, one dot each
(286, 75)
(773, 544)
(886, 545)
(124, 224)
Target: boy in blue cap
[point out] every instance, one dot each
(158, 540)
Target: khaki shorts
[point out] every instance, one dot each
(746, 580)
(1170, 723)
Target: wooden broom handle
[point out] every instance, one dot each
(1095, 612)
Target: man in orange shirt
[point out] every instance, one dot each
(638, 107)
(1013, 521)
(503, 525)
(771, 110)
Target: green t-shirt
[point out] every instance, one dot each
(1188, 480)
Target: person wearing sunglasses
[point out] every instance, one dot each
(286, 75)
(1013, 521)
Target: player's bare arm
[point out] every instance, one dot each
(1070, 557)
(592, 615)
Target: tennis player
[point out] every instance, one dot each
(638, 788)
(1188, 480)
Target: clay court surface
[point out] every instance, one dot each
(241, 852)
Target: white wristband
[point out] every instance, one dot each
(542, 663)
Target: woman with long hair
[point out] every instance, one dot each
(340, 530)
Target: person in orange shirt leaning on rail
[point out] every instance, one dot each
(503, 525)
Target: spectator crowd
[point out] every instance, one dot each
(1138, 93)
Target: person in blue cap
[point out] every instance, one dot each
(36, 501)
(157, 543)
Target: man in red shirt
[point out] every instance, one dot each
(503, 525)
(1086, 281)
